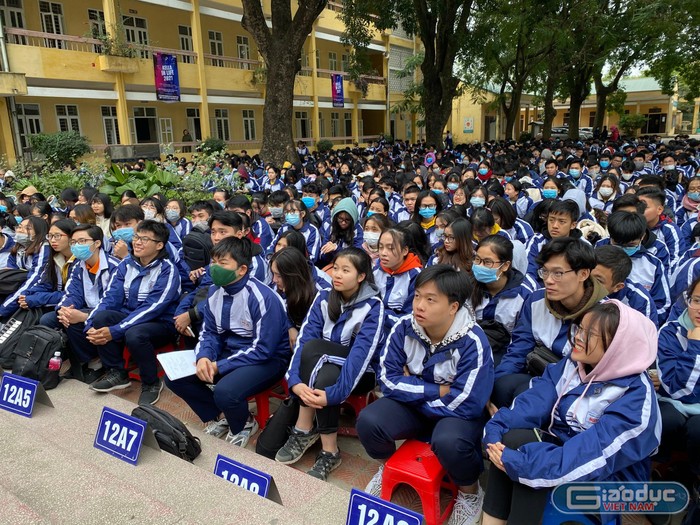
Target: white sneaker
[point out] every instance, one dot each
(467, 509)
(241, 439)
(217, 428)
(374, 487)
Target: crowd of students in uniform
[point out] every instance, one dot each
(535, 305)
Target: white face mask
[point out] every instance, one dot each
(605, 192)
(149, 214)
(372, 238)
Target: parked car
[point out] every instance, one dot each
(562, 132)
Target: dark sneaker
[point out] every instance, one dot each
(113, 380)
(84, 373)
(150, 394)
(325, 464)
(297, 443)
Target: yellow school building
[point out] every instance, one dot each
(56, 76)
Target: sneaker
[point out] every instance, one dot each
(217, 428)
(297, 443)
(241, 439)
(374, 487)
(150, 394)
(113, 380)
(467, 509)
(326, 463)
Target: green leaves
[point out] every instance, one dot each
(60, 148)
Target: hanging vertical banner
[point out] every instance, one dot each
(167, 81)
(337, 90)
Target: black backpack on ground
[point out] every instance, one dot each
(10, 281)
(276, 431)
(197, 247)
(172, 435)
(32, 353)
(12, 331)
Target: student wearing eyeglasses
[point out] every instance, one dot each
(137, 311)
(565, 267)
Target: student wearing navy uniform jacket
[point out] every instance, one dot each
(569, 291)
(663, 227)
(297, 217)
(259, 226)
(88, 280)
(136, 310)
(344, 231)
(396, 273)
(436, 373)
(593, 416)
(612, 270)
(678, 366)
(243, 348)
(176, 221)
(336, 344)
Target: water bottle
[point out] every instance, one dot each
(55, 362)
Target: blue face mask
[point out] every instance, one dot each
(292, 218)
(604, 163)
(440, 233)
(18, 220)
(388, 194)
(575, 173)
(124, 234)
(694, 196)
(452, 186)
(477, 202)
(222, 204)
(483, 171)
(483, 274)
(3, 208)
(437, 192)
(549, 194)
(370, 213)
(427, 213)
(309, 202)
(630, 250)
(82, 253)
(508, 179)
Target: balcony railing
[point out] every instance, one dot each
(231, 62)
(326, 73)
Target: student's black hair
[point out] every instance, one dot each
(416, 217)
(616, 260)
(385, 204)
(651, 180)
(106, 202)
(159, 231)
(227, 218)
(128, 193)
(202, 206)
(227, 194)
(363, 264)
(482, 219)
(239, 201)
(41, 228)
(44, 208)
(689, 291)
(461, 258)
(240, 250)
(83, 214)
(625, 227)
(66, 226)
(652, 193)
(505, 211)
(628, 200)
(565, 207)
(415, 238)
(450, 282)
(298, 205)
(313, 188)
(95, 232)
(88, 193)
(277, 198)
(503, 248)
(180, 204)
(578, 253)
(299, 286)
(410, 188)
(295, 240)
(126, 213)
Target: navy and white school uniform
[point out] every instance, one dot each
(6, 248)
(649, 272)
(505, 306)
(638, 298)
(84, 289)
(310, 233)
(34, 264)
(534, 247)
(670, 234)
(521, 231)
(653, 245)
(45, 293)
(359, 327)
(262, 231)
(178, 231)
(402, 214)
(523, 204)
(683, 276)
(397, 291)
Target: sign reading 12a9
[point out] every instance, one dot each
(365, 509)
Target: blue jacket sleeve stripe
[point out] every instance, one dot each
(471, 379)
(389, 356)
(260, 301)
(311, 328)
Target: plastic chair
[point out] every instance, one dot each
(415, 465)
(262, 401)
(132, 367)
(357, 403)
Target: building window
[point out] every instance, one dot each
(98, 28)
(248, 124)
(110, 124)
(348, 124)
(243, 50)
(335, 124)
(12, 14)
(137, 33)
(591, 119)
(221, 124)
(567, 115)
(344, 62)
(333, 61)
(194, 124)
(185, 33)
(216, 47)
(145, 125)
(52, 22)
(166, 130)
(303, 125)
(28, 122)
(68, 119)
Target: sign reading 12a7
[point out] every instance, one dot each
(121, 435)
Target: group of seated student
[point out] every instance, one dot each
(535, 307)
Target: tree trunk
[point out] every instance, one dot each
(601, 98)
(278, 141)
(512, 113)
(437, 112)
(576, 101)
(549, 111)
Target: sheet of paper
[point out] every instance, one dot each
(178, 364)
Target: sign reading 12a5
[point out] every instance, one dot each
(365, 509)
(17, 394)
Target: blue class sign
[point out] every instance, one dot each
(17, 394)
(120, 435)
(365, 509)
(242, 475)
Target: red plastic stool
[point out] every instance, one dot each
(357, 403)
(262, 401)
(131, 366)
(415, 465)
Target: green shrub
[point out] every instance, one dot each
(212, 145)
(525, 136)
(630, 124)
(324, 146)
(60, 148)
